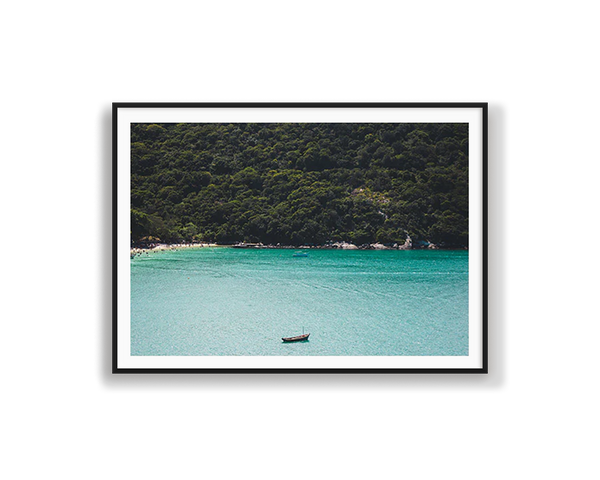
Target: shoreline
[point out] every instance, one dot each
(163, 247)
(348, 246)
(408, 245)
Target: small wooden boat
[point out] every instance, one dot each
(298, 338)
(300, 254)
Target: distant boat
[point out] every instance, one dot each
(248, 245)
(300, 254)
(298, 338)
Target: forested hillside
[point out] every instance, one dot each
(300, 183)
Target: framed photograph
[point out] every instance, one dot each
(300, 238)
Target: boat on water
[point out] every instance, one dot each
(298, 338)
(300, 254)
(247, 245)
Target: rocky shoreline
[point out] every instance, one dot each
(407, 245)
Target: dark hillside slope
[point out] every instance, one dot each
(300, 183)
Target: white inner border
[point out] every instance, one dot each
(472, 116)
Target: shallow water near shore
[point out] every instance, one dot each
(225, 301)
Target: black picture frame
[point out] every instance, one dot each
(484, 373)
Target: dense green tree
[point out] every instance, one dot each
(300, 183)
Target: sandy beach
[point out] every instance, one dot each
(162, 247)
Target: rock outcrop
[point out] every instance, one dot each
(407, 244)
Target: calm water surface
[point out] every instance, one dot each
(225, 301)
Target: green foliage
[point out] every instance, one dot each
(300, 183)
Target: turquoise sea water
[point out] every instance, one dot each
(225, 301)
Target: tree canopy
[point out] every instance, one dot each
(300, 183)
